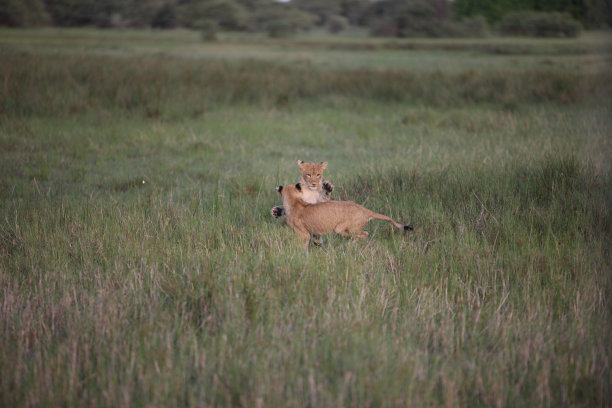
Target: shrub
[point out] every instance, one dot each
(208, 28)
(384, 28)
(337, 24)
(419, 19)
(227, 14)
(283, 20)
(539, 24)
(468, 27)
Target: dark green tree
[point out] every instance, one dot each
(255, 5)
(539, 24)
(165, 17)
(140, 13)
(598, 13)
(406, 18)
(71, 12)
(85, 12)
(323, 9)
(492, 10)
(588, 12)
(228, 14)
(282, 19)
(105, 11)
(354, 10)
(335, 24)
(23, 13)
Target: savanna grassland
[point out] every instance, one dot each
(140, 265)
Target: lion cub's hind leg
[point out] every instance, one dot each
(352, 229)
(342, 231)
(361, 234)
(358, 233)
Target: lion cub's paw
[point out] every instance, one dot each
(277, 211)
(328, 187)
(317, 240)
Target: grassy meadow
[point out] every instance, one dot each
(140, 265)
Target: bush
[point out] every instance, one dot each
(420, 19)
(208, 28)
(226, 14)
(472, 27)
(283, 20)
(384, 28)
(337, 24)
(539, 24)
(468, 27)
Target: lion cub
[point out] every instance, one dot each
(317, 191)
(346, 218)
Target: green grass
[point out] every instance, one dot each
(588, 53)
(140, 266)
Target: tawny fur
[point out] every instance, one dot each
(316, 190)
(346, 218)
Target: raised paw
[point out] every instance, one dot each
(277, 211)
(328, 187)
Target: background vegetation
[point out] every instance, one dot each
(391, 18)
(139, 264)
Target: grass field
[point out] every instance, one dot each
(140, 265)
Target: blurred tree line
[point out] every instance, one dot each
(591, 13)
(384, 17)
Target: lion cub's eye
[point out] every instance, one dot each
(308, 175)
(318, 175)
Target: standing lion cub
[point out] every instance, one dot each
(346, 218)
(317, 191)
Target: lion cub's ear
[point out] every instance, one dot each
(323, 165)
(279, 189)
(300, 163)
(298, 186)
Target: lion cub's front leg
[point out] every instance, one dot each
(327, 189)
(300, 230)
(278, 211)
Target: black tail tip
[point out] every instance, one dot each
(408, 228)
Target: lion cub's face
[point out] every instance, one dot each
(312, 174)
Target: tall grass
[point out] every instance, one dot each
(156, 87)
(500, 298)
(139, 265)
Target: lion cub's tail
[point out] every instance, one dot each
(396, 224)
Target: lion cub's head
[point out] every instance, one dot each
(292, 194)
(312, 174)
(290, 190)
